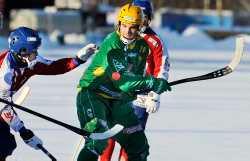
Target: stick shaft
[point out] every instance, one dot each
(47, 152)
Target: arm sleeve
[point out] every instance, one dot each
(158, 60)
(60, 66)
(122, 79)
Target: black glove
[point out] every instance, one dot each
(160, 85)
(29, 138)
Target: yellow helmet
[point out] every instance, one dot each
(130, 14)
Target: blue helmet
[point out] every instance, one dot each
(146, 7)
(24, 39)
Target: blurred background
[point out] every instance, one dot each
(218, 19)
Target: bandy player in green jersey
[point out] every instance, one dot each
(158, 65)
(110, 84)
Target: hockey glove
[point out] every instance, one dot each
(140, 100)
(152, 102)
(11, 118)
(29, 138)
(84, 53)
(160, 85)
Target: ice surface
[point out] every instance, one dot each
(199, 121)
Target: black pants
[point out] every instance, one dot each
(7, 140)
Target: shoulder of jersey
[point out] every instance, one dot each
(154, 40)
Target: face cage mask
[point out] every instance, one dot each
(30, 64)
(25, 60)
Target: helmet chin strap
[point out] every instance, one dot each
(24, 62)
(143, 29)
(19, 62)
(30, 64)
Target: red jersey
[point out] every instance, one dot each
(11, 79)
(158, 59)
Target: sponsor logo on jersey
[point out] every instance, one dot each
(132, 129)
(98, 71)
(118, 65)
(109, 92)
(90, 113)
(116, 76)
(132, 54)
(131, 46)
(143, 49)
(153, 41)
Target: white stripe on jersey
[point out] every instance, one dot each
(6, 75)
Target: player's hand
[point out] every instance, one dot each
(152, 102)
(160, 85)
(30, 139)
(85, 52)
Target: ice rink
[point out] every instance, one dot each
(198, 121)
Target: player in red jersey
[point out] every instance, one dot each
(17, 65)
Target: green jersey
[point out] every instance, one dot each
(117, 69)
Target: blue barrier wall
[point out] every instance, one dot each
(180, 21)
